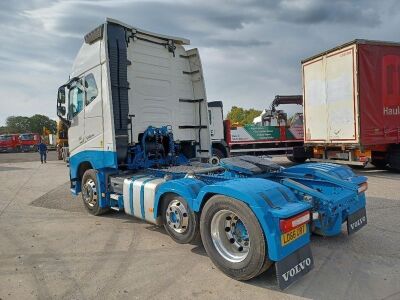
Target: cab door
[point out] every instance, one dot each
(76, 114)
(93, 110)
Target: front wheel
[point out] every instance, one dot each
(233, 238)
(90, 193)
(180, 222)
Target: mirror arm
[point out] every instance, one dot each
(71, 81)
(64, 120)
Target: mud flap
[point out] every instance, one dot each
(356, 221)
(294, 266)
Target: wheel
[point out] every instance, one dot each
(379, 163)
(394, 158)
(179, 221)
(217, 155)
(233, 238)
(357, 167)
(90, 193)
(298, 160)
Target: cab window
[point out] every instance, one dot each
(91, 88)
(76, 96)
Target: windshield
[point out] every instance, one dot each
(5, 137)
(26, 137)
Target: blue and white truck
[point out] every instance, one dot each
(139, 140)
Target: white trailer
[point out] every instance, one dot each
(351, 104)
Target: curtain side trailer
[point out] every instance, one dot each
(352, 104)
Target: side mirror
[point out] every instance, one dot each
(61, 95)
(61, 111)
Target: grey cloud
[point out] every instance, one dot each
(349, 12)
(250, 49)
(240, 43)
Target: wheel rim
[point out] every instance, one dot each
(230, 236)
(214, 160)
(89, 193)
(177, 216)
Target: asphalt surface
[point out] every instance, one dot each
(25, 157)
(51, 248)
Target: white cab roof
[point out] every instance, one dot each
(177, 40)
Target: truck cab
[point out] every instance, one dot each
(29, 141)
(123, 80)
(10, 143)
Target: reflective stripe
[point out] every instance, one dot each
(131, 191)
(142, 196)
(131, 196)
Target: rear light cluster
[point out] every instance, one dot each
(287, 225)
(362, 187)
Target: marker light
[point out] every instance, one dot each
(362, 187)
(287, 225)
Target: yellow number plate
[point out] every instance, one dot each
(294, 234)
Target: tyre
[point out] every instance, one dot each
(179, 221)
(298, 160)
(217, 155)
(394, 158)
(233, 238)
(358, 167)
(90, 193)
(379, 163)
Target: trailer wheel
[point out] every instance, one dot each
(179, 221)
(394, 158)
(90, 193)
(379, 163)
(233, 238)
(298, 160)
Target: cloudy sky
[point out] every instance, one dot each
(250, 49)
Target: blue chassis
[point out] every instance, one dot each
(328, 190)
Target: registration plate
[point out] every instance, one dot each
(294, 234)
(356, 221)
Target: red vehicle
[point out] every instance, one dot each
(10, 143)
(29, 141)
(352, 104)
(270, 133)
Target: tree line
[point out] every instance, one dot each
(241, 116)
(34, 124)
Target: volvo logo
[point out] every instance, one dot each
(358, 223)
(297, 269)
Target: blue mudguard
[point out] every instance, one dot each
(332, 190)
(269, 201)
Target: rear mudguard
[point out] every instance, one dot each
(187, 188)
(269, 201)
(334, 192)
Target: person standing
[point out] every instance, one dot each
(42, 148)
